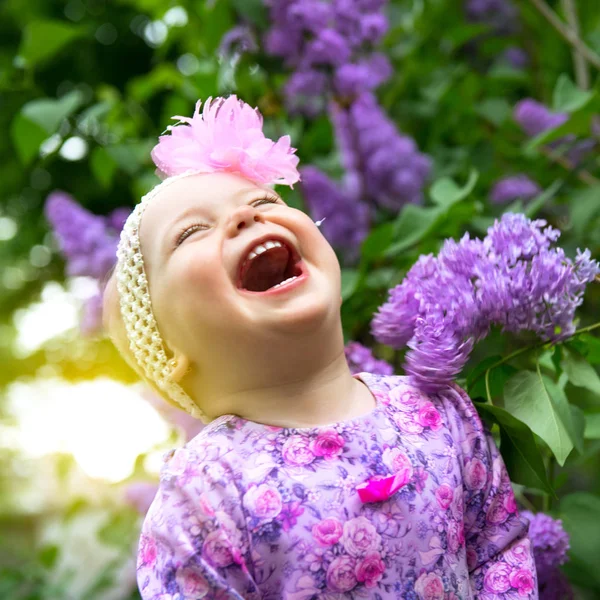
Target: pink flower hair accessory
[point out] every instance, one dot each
(381, 487)
(226, 136)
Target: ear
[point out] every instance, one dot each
(180, 365)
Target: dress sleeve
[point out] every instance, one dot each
(193, 542)
(499, 552)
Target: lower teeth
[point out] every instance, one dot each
(286, 281)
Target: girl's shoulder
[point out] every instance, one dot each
(214, 445)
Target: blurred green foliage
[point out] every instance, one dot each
(111, 74)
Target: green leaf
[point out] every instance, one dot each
(539, 201)
(43, 39)
(49, 113)
(580, 515)
(494, 110)
(519, 449)
(131, 156)
(252, 10)
(592, 427)
(579, 371)
(568, 97)
(27, 137)
(527, 398)
(47, 555)
(103, 166)
(496, 378)
(350, 278)
(378, 240)
(565, 412)
(445, 192)
(414, 223)
(585, 205)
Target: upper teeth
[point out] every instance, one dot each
(262, 248)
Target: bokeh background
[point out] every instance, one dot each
(415, 121)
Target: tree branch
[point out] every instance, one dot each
(580, 66)
(567, 33)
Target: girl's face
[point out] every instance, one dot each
(212, 289)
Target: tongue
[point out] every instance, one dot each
(266, 270)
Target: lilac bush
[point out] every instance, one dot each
(535, 118)
(550, 546)
(514, 187)
(512, 278)
(346, 221)
(88, 243)
(388, 165)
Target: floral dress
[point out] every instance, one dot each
(251, 511)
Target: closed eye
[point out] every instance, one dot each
(187, 231)
(265, 200)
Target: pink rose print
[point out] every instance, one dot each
(329, 444)
(519, 553)
(456, 536)
(406, 422)
(217, 549)
(296, 451)
(497, 578)
(340, 574)
(398, 462)
(475, 475)
(263, 501)
(429, 586)
(370, 570)
(444, 495)
(522, 579)
(360, 537)
(429, 416)
(147, 552)
(496, 513)
(327, 532)
(191, 583)
(405, 399)
(510, 503)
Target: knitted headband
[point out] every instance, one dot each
(226, 137)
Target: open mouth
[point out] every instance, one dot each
(269, 265)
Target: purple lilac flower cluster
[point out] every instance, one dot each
(330, 48)
(89, 244)
(360, 358)
(501, 15)
(513, 188)
(550, 545)
(535, 118)
(513, 278)
(346, 221)
(384, 167)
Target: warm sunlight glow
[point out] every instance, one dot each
(57, 312)
(104, 424)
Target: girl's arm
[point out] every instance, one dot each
(499, 553)
(193, 542)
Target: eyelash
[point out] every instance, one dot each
(198, 226)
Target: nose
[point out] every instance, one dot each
(243, 217)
